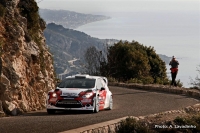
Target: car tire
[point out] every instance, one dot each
(110, 103)
(96, 110)
(95, 105)
(51, 111)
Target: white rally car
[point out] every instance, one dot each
(80, 92)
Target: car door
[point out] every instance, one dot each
(102, 93)
(108, 95)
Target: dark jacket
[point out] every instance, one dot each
(174, 63)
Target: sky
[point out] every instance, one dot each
(102, 6)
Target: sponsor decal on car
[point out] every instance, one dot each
(69, 94)
(86, 100)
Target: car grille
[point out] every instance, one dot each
(68, 103)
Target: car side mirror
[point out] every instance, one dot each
(102, 88)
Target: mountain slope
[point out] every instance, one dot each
(67, 44)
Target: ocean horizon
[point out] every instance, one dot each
(170, 33)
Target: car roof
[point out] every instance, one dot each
(85, 76)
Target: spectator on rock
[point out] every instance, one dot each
(174, 70)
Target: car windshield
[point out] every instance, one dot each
(77, 83)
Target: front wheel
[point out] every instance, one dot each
(95, 105)
(110, 103)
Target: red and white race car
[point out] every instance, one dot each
(80, 92)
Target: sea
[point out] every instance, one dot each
(170, 33)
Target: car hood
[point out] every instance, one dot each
(72, 91)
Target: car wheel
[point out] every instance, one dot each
(95, 105)
(110, 103)
(51, 111)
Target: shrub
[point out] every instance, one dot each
(192, 121)
(144, 80)
(147, 80)
(133, 63)
(178, 82)
(130, 125)
(134, 80)
(110, 79)
(196, 83)
(29, 9)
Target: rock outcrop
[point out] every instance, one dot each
(26, 65)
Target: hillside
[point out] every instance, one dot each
(68, 44)
(165, 58)
(26, 65)
(69, 19)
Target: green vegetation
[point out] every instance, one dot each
(29, 9)
(130, 125)
(196, 82)
(67, 44)
(132, 63)
(178, 82)
(92, 57)
(189, 125)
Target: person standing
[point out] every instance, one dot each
(174, 70)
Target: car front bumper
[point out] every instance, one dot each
(89, 107)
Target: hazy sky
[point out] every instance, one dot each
(96, 6)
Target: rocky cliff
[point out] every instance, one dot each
(26, 66)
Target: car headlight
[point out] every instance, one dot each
(54, 95)
(87, 95)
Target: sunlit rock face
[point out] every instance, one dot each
(26, 66)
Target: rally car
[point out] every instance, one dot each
(80, 92)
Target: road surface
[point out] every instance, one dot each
(127, 102)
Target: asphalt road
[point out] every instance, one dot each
(127, 102)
